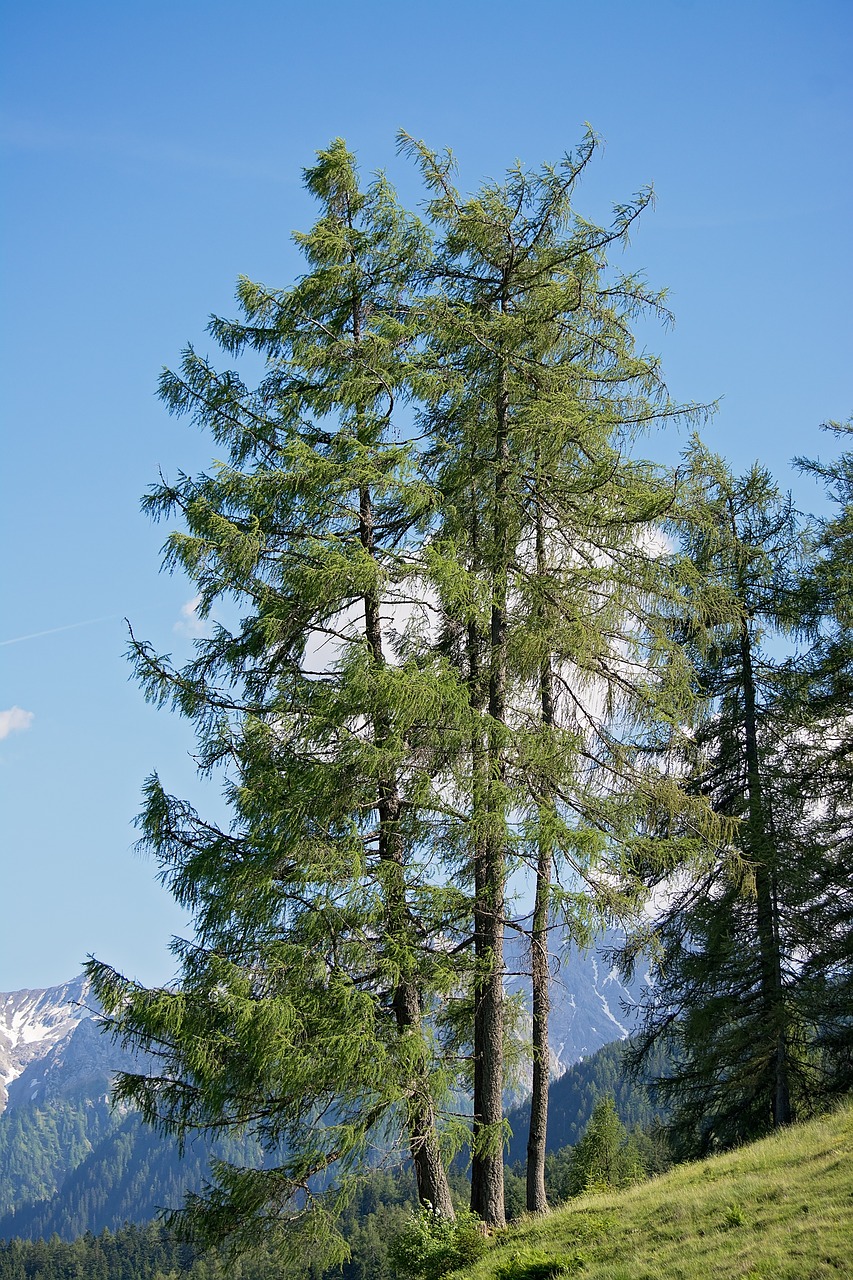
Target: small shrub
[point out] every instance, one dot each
(734, 1216)
(532, 1265)
(431, 1247)
(605, 1157)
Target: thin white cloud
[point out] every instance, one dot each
(15, 719)
(52, 631)
(190, 624)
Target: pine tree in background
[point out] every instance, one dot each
(605, 1157)
(726, 993)
(823, 681)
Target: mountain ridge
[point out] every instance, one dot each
(35, 1020)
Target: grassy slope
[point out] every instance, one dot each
(780, 1209)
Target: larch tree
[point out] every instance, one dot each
(305, 1005)
(605, 1157)
(384, 779)
(822, 681)
(556, 591)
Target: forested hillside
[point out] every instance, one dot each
(779, 1207)
(74, 1168)
(573, 1096)
(128, 1174)
(41, 1145)
(133, 1253)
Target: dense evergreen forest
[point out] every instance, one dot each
(133, 1253)
(482, 641)
(41, 1146)
(573, 1096)
(119, 1171)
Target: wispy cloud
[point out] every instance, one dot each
(15, 719)
(52, 631)
(190, 624)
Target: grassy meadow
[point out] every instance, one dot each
(779, 1209)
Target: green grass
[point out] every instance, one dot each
(780, 1209)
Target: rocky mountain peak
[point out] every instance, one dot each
(33, 1022)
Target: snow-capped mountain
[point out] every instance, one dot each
(69, 1161)
(50, 1042)
(590, 1003)
(33, 1023)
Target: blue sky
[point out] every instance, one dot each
(153, 151)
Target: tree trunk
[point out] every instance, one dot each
(540, 976)
(430, 1173)
(761, 851)
(487, 1169)
(537, 1201)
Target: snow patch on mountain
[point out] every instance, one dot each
(599, 984)
(590, 1004)
(33, 1022)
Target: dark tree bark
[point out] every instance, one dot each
(540, 976)
(487, 1170)
(430, 1172)
(762, 853)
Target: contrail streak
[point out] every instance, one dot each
(51, 631)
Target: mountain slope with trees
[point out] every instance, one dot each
(130, 1174)
(70, 1163)
(574, 1095)
(778, 1207)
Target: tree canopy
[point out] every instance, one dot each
(468, 648)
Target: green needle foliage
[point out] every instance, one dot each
(727, 995)
(456, 657)
(302, 1005)
(605, 1157)
(555, 585)
(823, 683)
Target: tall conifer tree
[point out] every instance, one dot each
(302, 1005)
(553, 583)
(823, 681)
(384, 787)
(727, 989)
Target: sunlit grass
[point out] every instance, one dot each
(780, 1209)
